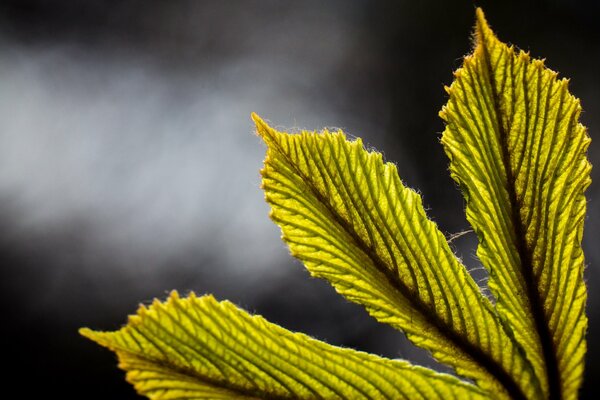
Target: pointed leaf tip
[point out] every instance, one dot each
(480, 16)
(98, 337)
(263, 130)
(86, 332)
(255, 117)
(483, 32)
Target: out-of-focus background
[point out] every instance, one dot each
(128, 164)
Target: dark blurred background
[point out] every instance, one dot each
(128, 164)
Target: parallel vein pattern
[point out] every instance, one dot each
(199, 348)
(346, 214)
(519, 154)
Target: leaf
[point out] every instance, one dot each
(519, 154)
(199, 348)
(346, 215)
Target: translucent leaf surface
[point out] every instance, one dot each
(518, 152)
(346, 214)
(199, 348)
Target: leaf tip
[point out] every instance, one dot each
(87, 333)
(256, 118)
(263, 130)
(94, 336)
(480, 15)
(481, 21)
(483, 32)
(261, 125)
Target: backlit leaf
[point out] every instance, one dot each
(518, 152)
(346, 214)
(199, 348)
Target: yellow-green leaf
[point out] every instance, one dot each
(346, 214)
(199, 348)
(518, 152)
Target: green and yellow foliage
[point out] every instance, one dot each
(517, 151)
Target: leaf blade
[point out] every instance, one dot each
(199, 348)
(349, 218)
(518, 152)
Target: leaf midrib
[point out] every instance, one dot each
(474, 352)
(526, 265)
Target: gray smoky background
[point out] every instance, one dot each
(129, 167)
